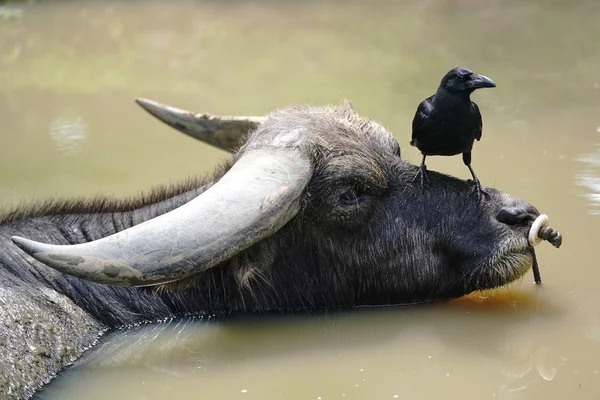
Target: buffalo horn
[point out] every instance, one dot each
(225, 133)
(256, 197)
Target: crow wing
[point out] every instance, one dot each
(479, 123)
(421, 118)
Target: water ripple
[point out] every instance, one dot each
(68, 134)
(589, 178)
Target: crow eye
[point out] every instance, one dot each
(462, 78)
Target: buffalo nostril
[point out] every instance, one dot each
(515, 216)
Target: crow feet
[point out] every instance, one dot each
(478, 191)
(422, 174)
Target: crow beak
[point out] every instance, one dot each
(481, 81)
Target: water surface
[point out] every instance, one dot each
(69, 72)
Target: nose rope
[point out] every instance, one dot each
(540, 230)
(536, 269)
(552, 236)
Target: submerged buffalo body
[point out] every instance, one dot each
(316, 210)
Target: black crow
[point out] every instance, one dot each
(448, 122)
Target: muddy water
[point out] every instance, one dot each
(70, 70)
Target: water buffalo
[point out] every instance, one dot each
(316, 210)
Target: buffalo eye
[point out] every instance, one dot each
(352, 197)
(358, 194)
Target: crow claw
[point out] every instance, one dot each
(478, 191)
(422, 174)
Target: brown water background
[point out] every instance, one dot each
(69, 72)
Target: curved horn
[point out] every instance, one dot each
(225, 133)
(255, 198)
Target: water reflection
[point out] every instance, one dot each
(70, 70)
(402, 348)
(8, 12)
(68, 135)
(589, 178)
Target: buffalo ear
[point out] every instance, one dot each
(347, 106)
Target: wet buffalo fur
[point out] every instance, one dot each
(364, 235)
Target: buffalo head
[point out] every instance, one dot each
(316, 209)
